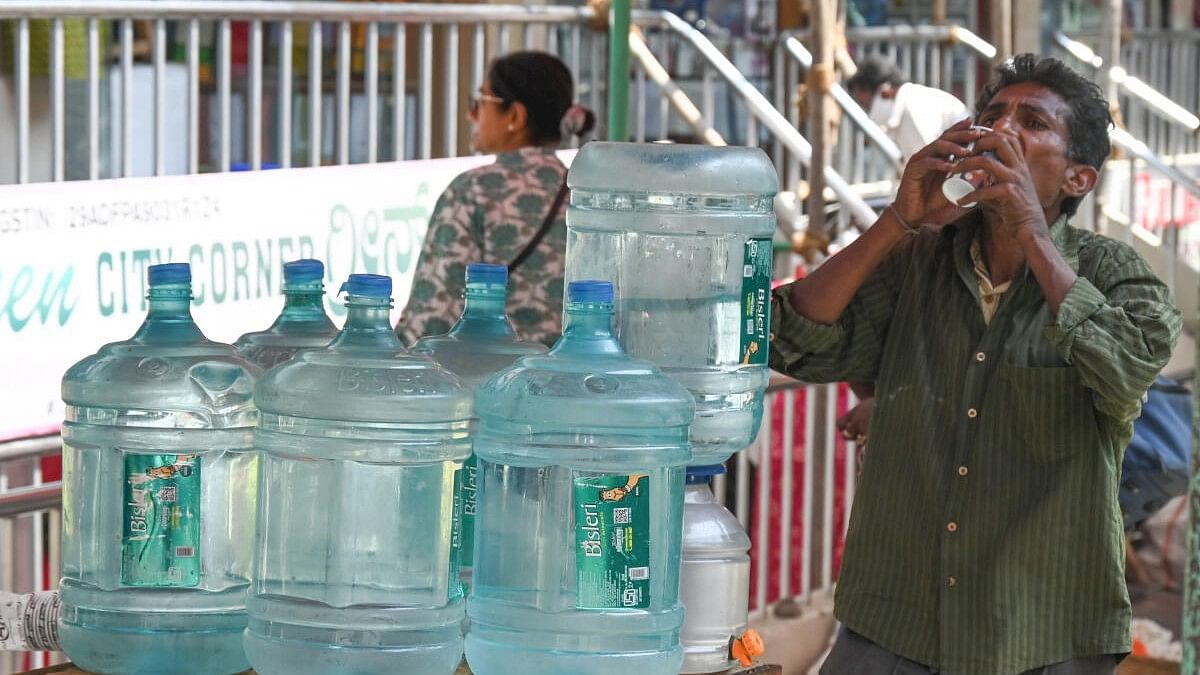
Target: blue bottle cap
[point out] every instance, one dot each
(702, 474)
(303, 271)
(170, 273)
(368, 285)
(590, 291)
(486, 273)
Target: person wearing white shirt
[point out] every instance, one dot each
(911, 114)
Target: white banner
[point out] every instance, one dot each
(73, 257)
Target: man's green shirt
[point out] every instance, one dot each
(985, 536)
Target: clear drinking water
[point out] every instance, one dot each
(302, 324)
(714, 581)
(158, 498)
(481, 344)
(577, 544)
(685, 233)
(361, 445)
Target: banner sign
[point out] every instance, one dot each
(73, 257)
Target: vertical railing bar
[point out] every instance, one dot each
(22, 61)
(640, 121)
(256, 94)
(806, 545)
(315, 95)
(372, 67)
(707, 96)
(780, 96)
(284, 104)
(225, 94)
(400, 109)
(552, 39)
(478, 55)
(664, 104)
(527, 36)
(503, 29)
(718, 488)
(742, 490)
(763, 517)
(193, 103)
(451, 84)
(830, 451)
(58, 102)
(93, 77)
(127, 97)
(426, 91)
(787, 497)
(851, 470)
(343, 93)
(751, 129)
(597, 76)
(160, 97)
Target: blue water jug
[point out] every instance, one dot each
(158, 496)
(684, 232)
(361, 444)
(581, 472)
(302, 324)
(481, 344)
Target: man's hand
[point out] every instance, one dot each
(1011, 196)
(919, 199)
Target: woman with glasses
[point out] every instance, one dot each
(510, 212)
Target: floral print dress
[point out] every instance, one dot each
(489, 214)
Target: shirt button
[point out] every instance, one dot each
(980, 356)
(972, 413)
(952, 527)
(962, 471)
(951, 582)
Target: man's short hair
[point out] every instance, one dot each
(1089, 121)
(872, 73)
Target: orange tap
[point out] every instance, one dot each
(748, 647)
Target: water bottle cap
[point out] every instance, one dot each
(702, 474)
(590, 291)
(303, 271)
(170, 273)
(486, 273)
(369, 285)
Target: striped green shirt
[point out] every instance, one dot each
(985, 535)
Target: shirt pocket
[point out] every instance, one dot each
(1050, 411)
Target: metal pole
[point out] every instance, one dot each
(618, 71)
(820, 82)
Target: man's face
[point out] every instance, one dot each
(1038, 117)
(863, 96)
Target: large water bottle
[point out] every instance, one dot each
(714, 581)
(158, 499)
(302, 324)
(685, 233)
(481, 344)
(577, 544)
(361, 444)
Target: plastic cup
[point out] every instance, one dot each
(959, 185)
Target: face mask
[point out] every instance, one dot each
(881, 110)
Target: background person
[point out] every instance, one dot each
(493, 213)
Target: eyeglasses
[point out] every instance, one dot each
(477, 99)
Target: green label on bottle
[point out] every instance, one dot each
(455, 588)
(466, 493)
(612, 542)
(160, 545)
(756, 300)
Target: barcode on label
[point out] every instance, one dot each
(747, 271)
(749, 326)
(167, 494)
(185, 551)
(622, 516)
(639, 573)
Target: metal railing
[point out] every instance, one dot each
(30, 525)
(1158, 82)
(219, 84)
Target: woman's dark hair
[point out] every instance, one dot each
(1087, 140)
(540, 82)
